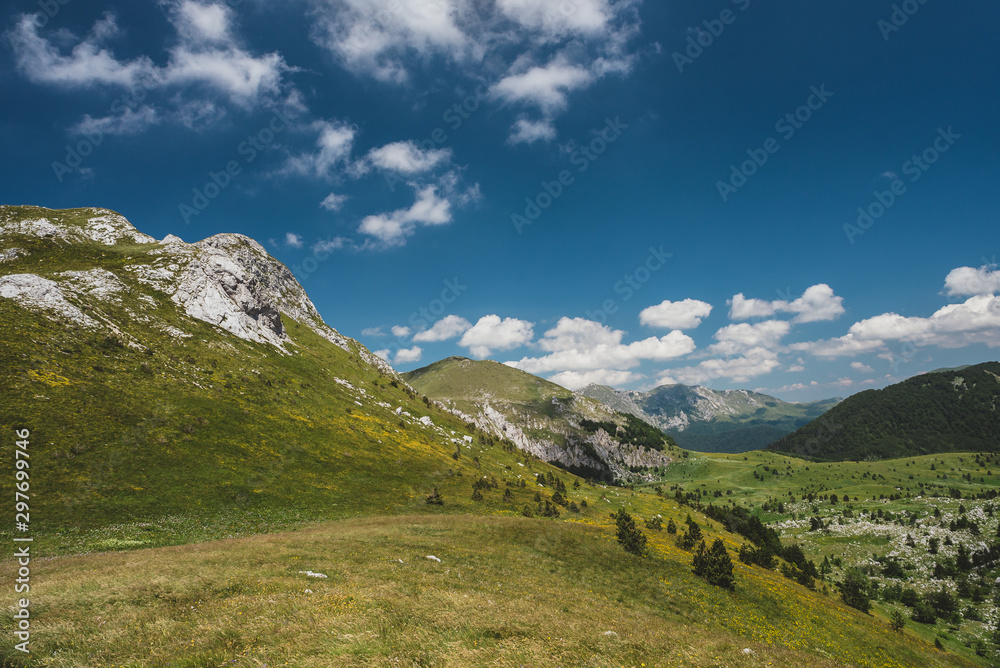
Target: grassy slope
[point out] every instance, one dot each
(508, 592)
(928, 477)
(212, 437)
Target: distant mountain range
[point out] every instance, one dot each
(557, 425)
(713, 420)
(953, 410)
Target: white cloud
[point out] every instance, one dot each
(447, 328)
(87, 64)
(405, 157)
(576, 344)
(754, 362)
(392, 229)
(384, 354)
(401, 331)
(293, 240)
(205, 54)
(372, 331)
(795, 368)
(977, 320)
(329, 244)
(491, 333)
(543, 86)
(198, 22)
(686, 314)
(966, 281)
(817, 303)
(862, 367)
(557, 19)
(408, 355)
(388, 39)
(742, 308)
(527, 131)
(334, 202)
(334, 144)
(128, 123)
(734, 339)
(575, 380)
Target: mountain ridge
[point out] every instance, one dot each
(702, 419)
(551, 422)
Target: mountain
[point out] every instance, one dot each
(553, 423)
(711, 420)
(164, 378)
(956, 410)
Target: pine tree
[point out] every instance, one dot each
(630, 537)
(714, 564)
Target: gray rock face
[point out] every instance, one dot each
(35, 292)
(228, 280)
(598, 451)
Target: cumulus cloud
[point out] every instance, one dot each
(862, 367)
(405, 157)
(392, 229)
(293, 240)
(576, 380)
(577, 344)
(372, 331)
(448, 327)
(334, 143)
(128, 123)
(401, 331)
(579, 17)
(966, 281)
(388, 39)
(977, 320)
(816, 304)
(88, 63)
(543, 86)
(374, 37)
(526, 131)
(754, 362)
(334, 202)
(206, 55)
(384, 354)
(734, 339)
(408, 355)
(686, 314)
(491, 333)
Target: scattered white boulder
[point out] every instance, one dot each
(433, 558)
(313, 575)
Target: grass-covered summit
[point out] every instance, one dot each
(550, 421)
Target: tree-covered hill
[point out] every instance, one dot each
(948, 411)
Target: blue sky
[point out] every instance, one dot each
(798, 197)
